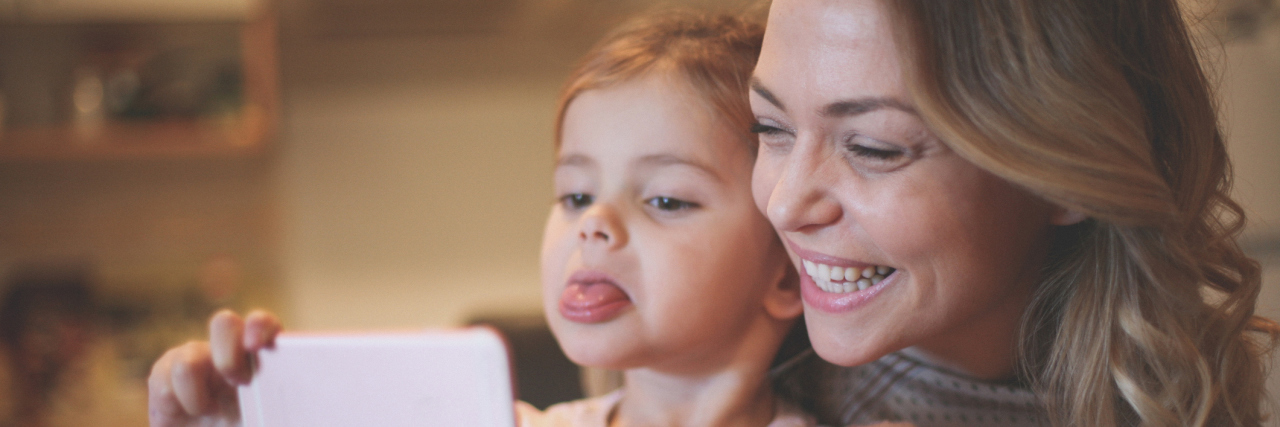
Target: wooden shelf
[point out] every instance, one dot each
(243, 135)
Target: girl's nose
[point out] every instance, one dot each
(600, 225)
(801, 198)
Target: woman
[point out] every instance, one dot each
(1038, 191)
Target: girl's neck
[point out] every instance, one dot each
(734, 390)
(737, 396)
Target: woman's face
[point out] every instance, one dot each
(655, 254)
(859, 188)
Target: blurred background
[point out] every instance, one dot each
(347, 164)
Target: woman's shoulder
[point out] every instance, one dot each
(590, 412)
(902, 389)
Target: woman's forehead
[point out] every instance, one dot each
(829, 50)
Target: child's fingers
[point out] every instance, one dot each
(191, 378)
(260, 330)
(162, 404)
(226, 332)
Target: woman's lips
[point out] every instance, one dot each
(834, 284)
(836, 303)
(592, 297)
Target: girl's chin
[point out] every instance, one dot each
(597, 352)
(595, 359)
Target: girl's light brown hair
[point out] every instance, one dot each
(713, 54)
(1145, 314)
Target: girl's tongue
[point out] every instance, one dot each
(592, 302)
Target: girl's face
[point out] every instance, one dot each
(654, 254)
(900, 241)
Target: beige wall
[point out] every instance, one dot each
(1251, 103)
(415, 177)
(1250, 93)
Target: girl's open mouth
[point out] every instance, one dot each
(592, 297)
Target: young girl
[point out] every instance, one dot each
(655, 260)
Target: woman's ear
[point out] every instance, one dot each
(1065, 216)
(782, 299)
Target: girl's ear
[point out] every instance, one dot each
(782, 300)
(1065, 216)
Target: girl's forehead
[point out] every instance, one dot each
(649, 117)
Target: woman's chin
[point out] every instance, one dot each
(839, 349)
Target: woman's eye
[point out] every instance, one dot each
(670, 204)
(576, 201)
(873, 153)
(763, 129)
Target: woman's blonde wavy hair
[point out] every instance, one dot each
(1145, 314)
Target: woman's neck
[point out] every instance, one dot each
(984, 348)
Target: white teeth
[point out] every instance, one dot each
(836, 279)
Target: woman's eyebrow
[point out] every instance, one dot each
(859, 106)
(846, 108)
(765, 93)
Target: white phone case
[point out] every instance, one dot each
(432, 378)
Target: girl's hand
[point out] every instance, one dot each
(195, 384)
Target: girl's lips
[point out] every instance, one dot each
(592, 297)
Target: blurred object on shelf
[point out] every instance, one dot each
(1245, 19)
(86, 100)
(1231, 20)
(127, 90)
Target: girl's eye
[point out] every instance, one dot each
(670, 204)
(576, 201)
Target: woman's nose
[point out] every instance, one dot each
(801, 197)
(600, 225)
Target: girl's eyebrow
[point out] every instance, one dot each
(574, 160)
(658, 160)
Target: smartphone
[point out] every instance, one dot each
(429, 378)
